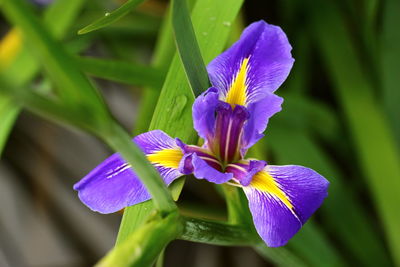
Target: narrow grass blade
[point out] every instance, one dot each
(390, 64)
(19, 66)
(111, 17)
(76, 89)
(79, 95)
(373, 141)
(188, 47)
(121, 71)
(280, 256)
(8, 113)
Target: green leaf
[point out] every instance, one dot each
(217, 233)
(111, 17)
(280, 256)
(8, 114)
(373, 142)
(73, 87)
(188, 47)
(23, 67)
(390, 64)
(121, 71)
(143, 246)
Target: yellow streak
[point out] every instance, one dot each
(263, 181)
(237, 92)
(9, 47)
(168, 158)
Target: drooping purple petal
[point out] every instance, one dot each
(113, 185)
(257, 63)
(259, 113)
(281, 200)
(202, 163)
(202, 170)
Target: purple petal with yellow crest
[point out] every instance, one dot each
(113, 185)
(258, 63)
(282, 199)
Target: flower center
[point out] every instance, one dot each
(225, 143)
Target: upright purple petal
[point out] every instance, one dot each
(113, 185)
(281, 200)
(203, 111)
(259, 112)
(257, 63)
(226, 142)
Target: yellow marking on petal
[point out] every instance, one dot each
(9, 47)
(237, 92)
(264, 182)
(168, 158)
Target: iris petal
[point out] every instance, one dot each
(281, 200)
(258, 63)
(259, 114)
(244, 170)
(113, 185)
(203, 111)
(203, 164)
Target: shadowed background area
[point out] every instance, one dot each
(340, 117)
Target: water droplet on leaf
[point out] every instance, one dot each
(107, 14)
(226, 23)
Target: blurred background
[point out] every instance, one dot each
(340, 117)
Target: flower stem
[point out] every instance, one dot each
(217, 233)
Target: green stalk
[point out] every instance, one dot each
(217, 233)
(143, 246)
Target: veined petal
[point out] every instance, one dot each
(202, 170)
(259, 114)
(203, 111)
(226, 142)
(244, 170)
(113, 185)
(203, 164)
(257, 63)
(282, 198)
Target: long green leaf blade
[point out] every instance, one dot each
(372, 138)
(8, 114)
(390, 64)
(78, 92)
(121, 71)
(111, 17)
(188, 47)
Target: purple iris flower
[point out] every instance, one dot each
(230, 117)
